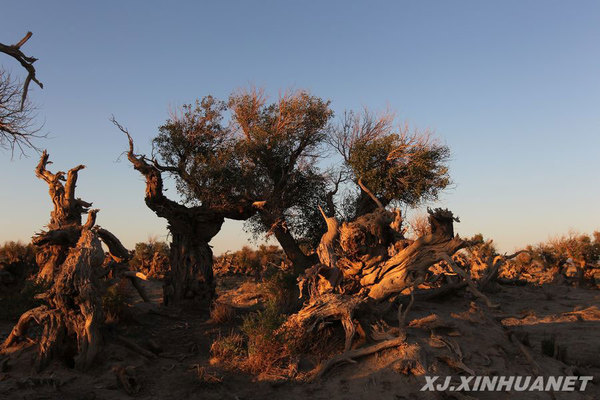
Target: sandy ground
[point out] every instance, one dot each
(450, 336)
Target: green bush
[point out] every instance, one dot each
(266, 348)
(261, 325)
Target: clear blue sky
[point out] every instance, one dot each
(513, 87)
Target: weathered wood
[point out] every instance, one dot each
(326, 309)
(397, 273)
(328, 244)
(68, 325)
(73, 315)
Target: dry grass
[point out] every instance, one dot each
(221, 313)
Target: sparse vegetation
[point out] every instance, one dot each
(265, 346)
(251, 262)
(372, 287)
(573, 257)
(228, 349)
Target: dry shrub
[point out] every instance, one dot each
(17, 262)
(250, 262)
(151, 258)
(221, 313)
(572, 258)
(419, 226)
(205, 377)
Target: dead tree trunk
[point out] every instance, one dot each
(366, 277)
(65, 219)
(68, 325)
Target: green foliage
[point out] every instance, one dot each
(416, 173)
(265, 152)
(394, 164)
(281, 289)
(282, 142)
(202, 153)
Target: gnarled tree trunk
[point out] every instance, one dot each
(357, 288)
(190, 277)
(288, 243)
(68, 325)
(71, 319)
(65, 219)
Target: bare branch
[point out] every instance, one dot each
(27, 62)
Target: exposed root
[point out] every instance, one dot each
(350, 355)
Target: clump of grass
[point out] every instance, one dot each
(12, 305)
(221, 313)
(229, 349)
